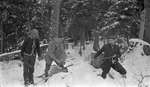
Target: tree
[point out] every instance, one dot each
(147, 20)
(20, 13)
(142, 23)
(140, 3)
(1, 38)
(76, 17)
(55, 18)
(121, 18)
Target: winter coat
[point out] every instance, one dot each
(56, 50)
(109, 50)
(27, 47)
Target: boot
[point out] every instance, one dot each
(31, 82)
(104, 76)
(26, 83)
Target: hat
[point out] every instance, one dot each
(34, 33)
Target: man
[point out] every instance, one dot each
(111, 55)
(56, 52)
(30, 47)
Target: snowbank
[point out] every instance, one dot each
(137, 64)
(139, 40)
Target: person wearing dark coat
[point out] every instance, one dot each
(30, 48)
(111, 55)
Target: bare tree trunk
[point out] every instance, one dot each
(1, 37)
(55, 18)
(147, 20)
(96, 42)
(142, 24)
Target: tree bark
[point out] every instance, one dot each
(1, 37)
(147, 21)
(96, 42)
(55, 18)
(142, 24)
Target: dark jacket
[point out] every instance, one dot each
(27, 46)
(109, 51)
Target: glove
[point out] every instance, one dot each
(114, 60)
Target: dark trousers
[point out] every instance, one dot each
(28, 69)
(107, 65)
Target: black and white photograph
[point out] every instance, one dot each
(74, 43)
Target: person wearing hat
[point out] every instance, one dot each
(110, 60)
(29, 49)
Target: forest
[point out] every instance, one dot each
(80, 40)
(75, 19)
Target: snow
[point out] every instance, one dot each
(137, 64)
(82, 74)
(139, 40)
(110, 26)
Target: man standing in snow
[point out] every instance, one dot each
(56, 52)
(111, 55)
(30, 47)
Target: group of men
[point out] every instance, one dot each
(56, 52)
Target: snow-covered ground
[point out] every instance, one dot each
(82, 74)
